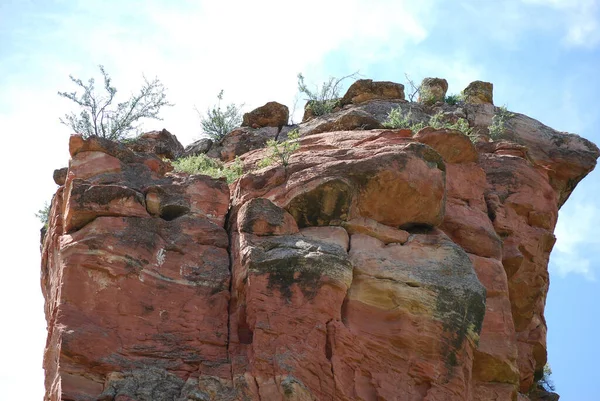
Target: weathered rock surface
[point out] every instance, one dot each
(479, 92)
(365, 90)
(433, 90)
(161, 143)
(201, 146)
(377, 265)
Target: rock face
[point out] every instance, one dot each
(377, 265)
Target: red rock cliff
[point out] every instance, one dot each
(378, 265)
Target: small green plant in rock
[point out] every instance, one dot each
(437, 121)
(324, 99)
(281, 151)
(202, 164)
(99, 117)
(398, 120)
(43, 214)
(216, 122)
(499, 121)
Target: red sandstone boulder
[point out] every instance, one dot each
(433, 90)
(161, 143)
(365, 90)
(272, 114)
(479, 92)
(452, 145)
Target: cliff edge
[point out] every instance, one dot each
(378, 264)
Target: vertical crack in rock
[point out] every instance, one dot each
(229, 250)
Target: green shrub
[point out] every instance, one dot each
(99, 117)
(216, 123)
(437, 121)
(499, 121)
(202, 164)
(398, 120)
(43, 214)
(453, 99)
(281, 151)
(324, 99)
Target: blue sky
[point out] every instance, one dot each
(542, 56)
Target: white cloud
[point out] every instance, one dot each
(580, 20)
(577, 242)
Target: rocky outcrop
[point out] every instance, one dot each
(378, 264)
(272, 114)
(433, 90)
(479, 92)
(161, 143)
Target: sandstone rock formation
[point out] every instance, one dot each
(378, 265)
(433, 90)
(272, 114)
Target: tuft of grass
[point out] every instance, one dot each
(498, 127)
(202, 164)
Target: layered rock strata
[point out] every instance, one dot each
(379, 264)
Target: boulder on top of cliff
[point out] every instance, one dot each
(343, 120)
(161, 143)
(115, 150)
(199, 147)
(242, 140)
(272, 114)
(479, 92)
(433, 90)
(365, 90)
(60, 175)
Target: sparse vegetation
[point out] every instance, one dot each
(324, 99)
(216, 123)
(99, 117)
(437, 121)
(453, 99)
(202, 164)
(546, 382)
(414, 91)
(499, 121)
(43, 214)
(397, 119)
(281, 151)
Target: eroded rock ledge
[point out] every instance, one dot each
(379, 265)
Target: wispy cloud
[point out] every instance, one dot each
(579, 20)
(577, 244)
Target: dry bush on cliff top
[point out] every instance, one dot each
(99, 117)
(322, 100)
(216, 123)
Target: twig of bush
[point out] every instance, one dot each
(216, 123)
(99, 117)
(324, 99)
(281, 151)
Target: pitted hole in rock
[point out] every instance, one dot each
(171, 212)
(417, 228)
